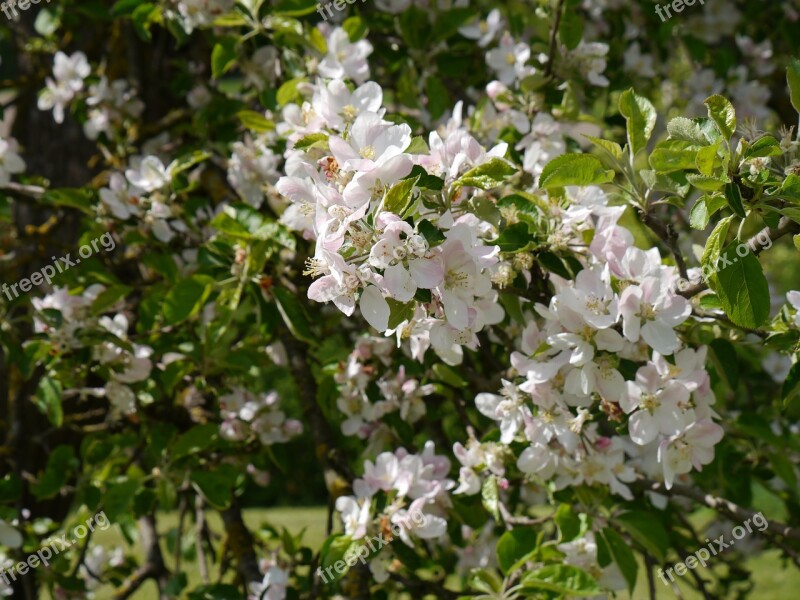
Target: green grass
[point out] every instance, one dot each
(772, 579)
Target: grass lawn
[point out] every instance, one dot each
(773, 580)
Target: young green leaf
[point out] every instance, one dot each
(574, 169)
(793, 80)
(741, 286)
(641, 118)
(721, 111)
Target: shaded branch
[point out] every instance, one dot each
(785, 226)
(153, 568)
(721, 505)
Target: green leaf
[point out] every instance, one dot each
(333, 551)
(356, 28)
(569, 525)
(109, 297)
(312, 140)
(570, 31)
(790, 188)
(124, 7)
(488, 175)
(704, 209)
(197, 439)
(432, 234)
(622, 555)
(513, 545)
(574, 169)
(681, 128)
(255, 121)
(791, 387)
(48, 400)
(295, 8)
(707, 184)
(721, 111)
(217, 591)
(288, 92)
(706, 159)
(47, 22)
(60, 464)
(564, 580)
(143, 17)
(793, 81)
(70, 197)
(714, 245)
(417, 146)
(726, 361)
(400, 197)
(674, 155)
(223, 56)
(294, 316)
(187, 161)
(186, 298)
(613, 148)
(514, 238)
(400, 311)
(216, 486)
(734, 198)
(490, 497)
(764, 146)
(742, 288)
(641, 119)
(647, 531)
(438, 98)
(429, 182)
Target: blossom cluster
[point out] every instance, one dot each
(369, 364)
(415, 489)
(123, 362)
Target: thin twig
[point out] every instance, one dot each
(785, 226)
(721, 505)
(551, 53)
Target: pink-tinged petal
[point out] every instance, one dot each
(533, 459)
(487, 404)
(704, 433)
(427, 272)
(341, 150)
(346, 304)
(794, 299)
(395, 169)
(660, 336)
(324, 289)
(642, 427)
(399, 283)
(456, 310)
(631, 399)
(676, 311)
(374, 308)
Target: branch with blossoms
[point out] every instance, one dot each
(423, 263)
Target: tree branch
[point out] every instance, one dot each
(723, 506)
(785, 226)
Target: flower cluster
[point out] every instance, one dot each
(70, 324)
(245, 414)
(620, 311)
(414, 488)
(367, 366)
